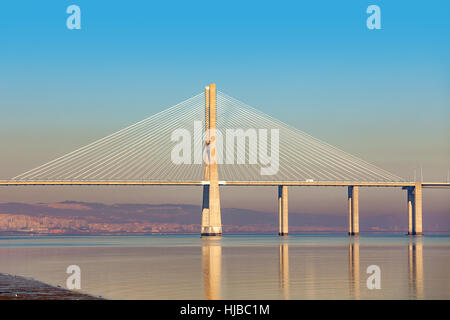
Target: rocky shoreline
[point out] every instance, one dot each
(14, 287)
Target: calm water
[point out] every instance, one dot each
(237, 266)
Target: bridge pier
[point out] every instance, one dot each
(410, 205)
(415, 210)
(211, 217)
(353, 210)
(283, 225)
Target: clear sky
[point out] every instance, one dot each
(383, 95)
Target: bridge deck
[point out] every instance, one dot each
(228, 183)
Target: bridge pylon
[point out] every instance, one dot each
(211, 218)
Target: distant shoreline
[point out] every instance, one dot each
(89, 218)
(14, 287)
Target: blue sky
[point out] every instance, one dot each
(383, 95)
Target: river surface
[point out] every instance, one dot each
(238, 266)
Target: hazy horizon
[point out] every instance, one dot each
(73, 217)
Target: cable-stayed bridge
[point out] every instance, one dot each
(213, 139)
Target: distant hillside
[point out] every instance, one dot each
(96, 218)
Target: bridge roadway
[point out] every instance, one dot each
(223, 183)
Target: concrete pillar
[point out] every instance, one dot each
(285, 230)
(417, 221)
(283, 225)
(211, 217)
(410, 205)
(205, 203)
(415, 209)
(353, 210)
(214, 195)
(205, 208)
(280, 209)
(349, 198)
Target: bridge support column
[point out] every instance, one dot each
(417, 213)
(410, 205)
(283, 226)
(414, 209)
(211, 217)
(205, 209)
(353, 210)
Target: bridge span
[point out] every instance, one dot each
(222, 183)
(140, 155)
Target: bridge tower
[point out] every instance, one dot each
(211, 219)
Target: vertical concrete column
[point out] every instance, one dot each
(214, 195)
(207, 138)
(205, 209)
(280, 209)
(417, 224)
(353, 210)
(214, 228)
(205, 203)
(285, 211)
(283, 228)
(350, 223)
(410, 210)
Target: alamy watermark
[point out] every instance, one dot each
(74, 20)
(374, 280)
(74, 280)
(230, 148)
(374, 20)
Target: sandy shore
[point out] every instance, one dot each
(21, 288)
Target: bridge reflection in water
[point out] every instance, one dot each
(212, 268)
(353, 267)
(284, 269)
(415, 263)
(212, 271)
